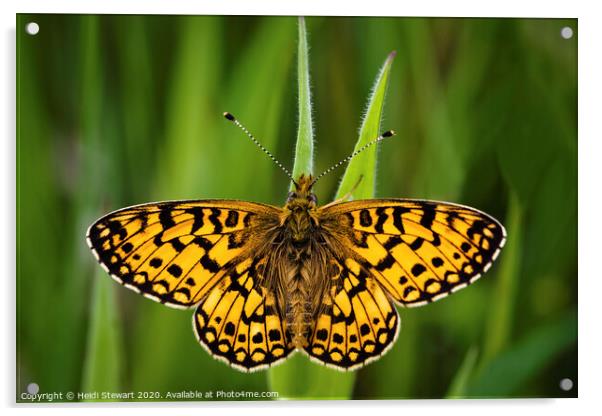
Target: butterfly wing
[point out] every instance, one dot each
(173, 252)
(418, 251)
(239, 321)
(357, 322)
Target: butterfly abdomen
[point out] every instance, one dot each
(298, 286)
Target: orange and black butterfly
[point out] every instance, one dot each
(267, 281)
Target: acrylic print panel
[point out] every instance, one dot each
(116, 111)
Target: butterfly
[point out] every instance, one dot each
(267, 281)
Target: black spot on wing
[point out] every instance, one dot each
(232, 218)
(156, 262)
(229, 329)
(274, 335)
(322, 334)
(209, 264)
(203, 243)
(165, 217)
(385, 263)
(437, 261)
(214, 219)
(197, 213)
(365, 218)
(117, 228)
(177, 245)
(397, 218)
(428, 216)
(418, 269)
(174, 270)
(477, 227)
(381, 218)
(392, 242)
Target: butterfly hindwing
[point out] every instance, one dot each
(172, 251)
(239, 321)
(357, 322)
(419, 251)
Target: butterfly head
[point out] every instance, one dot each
(302, 198)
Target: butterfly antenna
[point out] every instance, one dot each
(266, 151)
(383, 136)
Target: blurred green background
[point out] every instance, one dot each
(120, 110)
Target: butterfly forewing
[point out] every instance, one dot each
(175, 252)
(418, 251)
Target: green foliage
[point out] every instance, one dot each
(118, 110)
(304, 153)
(360, 175)
(458, 386)
(103, 364)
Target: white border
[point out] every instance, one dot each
(590, 202)
(551, 8)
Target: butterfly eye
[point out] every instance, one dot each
(291, 196)
(313, 198)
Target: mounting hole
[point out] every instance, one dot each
(566, 32)
(566, 384)
(33, 388)
(32, 28)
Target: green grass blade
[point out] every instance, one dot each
(458, 386)
(305, 135)
(364, 165)
(500, 320)
(103, 366)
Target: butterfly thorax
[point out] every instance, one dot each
(299, 212)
